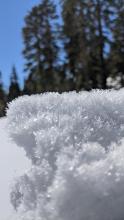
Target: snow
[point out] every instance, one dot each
(12, 164)
(76, 144)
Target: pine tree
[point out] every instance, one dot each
(2, 98)
(116, 57)
(14, 89)
(29, 85)
(75, 43)
(99, 15)
(86, 24)
(40, 47)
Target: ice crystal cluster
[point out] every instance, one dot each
(75, 142)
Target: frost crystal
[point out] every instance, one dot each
(76, 144)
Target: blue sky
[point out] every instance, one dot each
(12, 14)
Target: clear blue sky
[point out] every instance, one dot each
(12, 14)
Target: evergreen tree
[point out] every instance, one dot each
(40, 47)
(2, 98)
(75, 43)
(87, 27)
(116, 57)
(14, 89)
(99, 15)
(86, 24)
(29, 85)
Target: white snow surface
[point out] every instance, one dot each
(76, 144)
(12, 164)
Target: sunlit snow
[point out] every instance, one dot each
(76, 144)
(12, 164)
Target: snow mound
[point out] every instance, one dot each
(76, 144)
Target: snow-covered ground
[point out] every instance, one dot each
(76, 145)
(12, 163)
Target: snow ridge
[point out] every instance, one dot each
(76, 144)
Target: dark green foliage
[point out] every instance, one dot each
(116, 56)
(85, 29)
(75, 43)
(41, 47)
(98, 21)
(14, 89)
(89, 39)
(2, 98)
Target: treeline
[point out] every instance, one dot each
(73, 45)
(13, 92)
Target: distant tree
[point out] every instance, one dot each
(86, 27)
(75, 43)
(91, 39)
(2, 98)
(99, 15)
(116, 56)
(30, 85)
(14, 89)
(40, 48)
